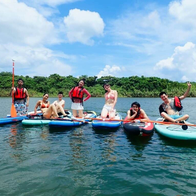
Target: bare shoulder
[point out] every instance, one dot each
(142, 111)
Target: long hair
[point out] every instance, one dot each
(138, 112)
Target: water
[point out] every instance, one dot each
(81, 161)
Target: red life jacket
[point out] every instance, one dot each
(177, 103)
(77, 93)
(19, 94)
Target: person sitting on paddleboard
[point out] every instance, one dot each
(110, 102)
(21, 98)
(135, 113)
(60, 102)
(76, 94)
(170, 109)
(49, 111)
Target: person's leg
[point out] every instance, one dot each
(112, 114)
(104, 112)
(51, 111)
(74, 112)
(60, 109)
(182, 118)
(80, 113)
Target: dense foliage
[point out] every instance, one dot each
(133, 86)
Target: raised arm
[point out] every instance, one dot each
(187, 91)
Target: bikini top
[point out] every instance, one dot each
(44, 105)
(110, 96)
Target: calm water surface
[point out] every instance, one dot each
(80, 161)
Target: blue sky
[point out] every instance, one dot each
(121, 38)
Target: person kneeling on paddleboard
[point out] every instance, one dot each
(76, 94)
(135, 113)
(21, 98)
(49, 111)
(171, 109)
(110, 102)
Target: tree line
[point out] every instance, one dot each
(132, 86)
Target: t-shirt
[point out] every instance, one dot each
(59, 102)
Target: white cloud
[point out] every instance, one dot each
(183, 11)
(82, 25)
(110, 71)
(181, 65)
(22, 24)
(33, 61)
(156, 29)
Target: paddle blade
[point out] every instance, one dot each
(13, 111)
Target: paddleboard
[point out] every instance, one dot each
(178, 132)
(138, 128)
(73, 122)
(10, 119)
(38, 120)
(100, 123)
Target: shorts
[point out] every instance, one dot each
(175, 116)
(77, 106)
(108, 108)
(21, 109)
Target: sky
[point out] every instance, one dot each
(120, 38)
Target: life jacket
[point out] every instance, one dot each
(177, 103)
(77, 93)
(19, 94)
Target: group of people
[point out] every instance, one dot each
(167, 109)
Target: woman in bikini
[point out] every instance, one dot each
(49, 111)
(135, 113)
(110, 102)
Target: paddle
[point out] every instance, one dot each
(101, 119)
(13, 109)
(144, 120)
(167, 123)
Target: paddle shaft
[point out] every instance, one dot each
(167, 123)
(13, 82)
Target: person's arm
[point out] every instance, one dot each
(115, 98)
(131, 117)
(144, 114)
(36, 106)
(27, 96)
(13, 90)
(164, 114)
(63, 103)
(187, 91)
(70, 93)
(87, 93)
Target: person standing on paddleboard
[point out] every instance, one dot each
(21, 98)
(171, 109)
(76, 94)
(110, 102)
